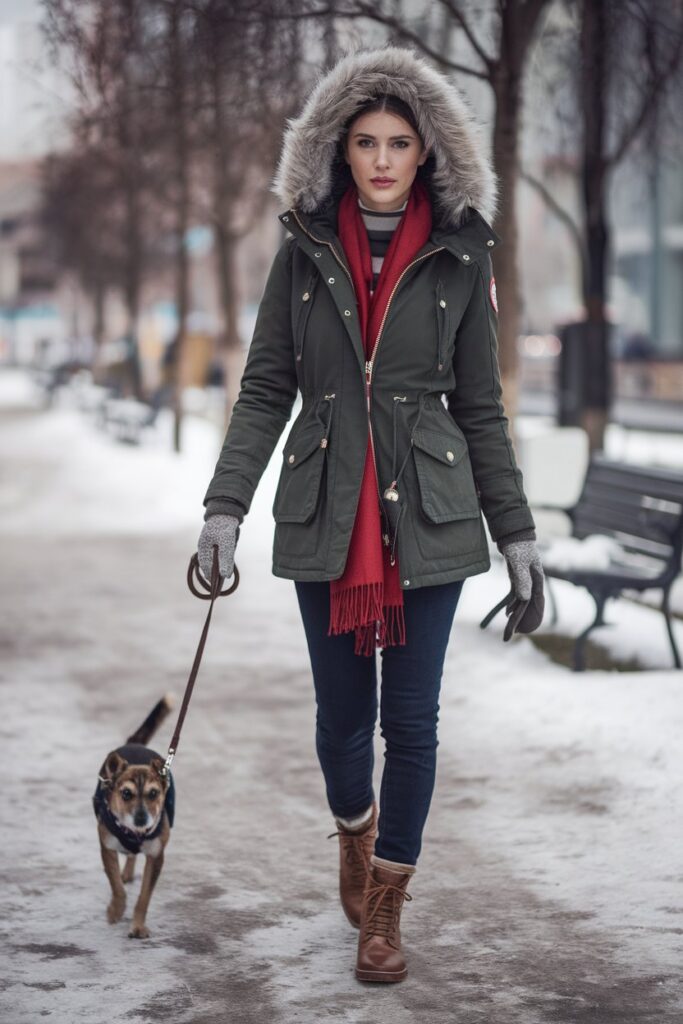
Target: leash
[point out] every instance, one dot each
(213, 590)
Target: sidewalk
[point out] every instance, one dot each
(549, 886)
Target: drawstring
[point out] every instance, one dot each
(392, 508)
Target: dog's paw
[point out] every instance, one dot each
(139, 931)
(128, 873)
(115, 911)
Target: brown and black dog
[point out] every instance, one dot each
(134, 805)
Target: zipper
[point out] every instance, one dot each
(368, 381)
(304, 312)
(325, 438)
(369, 362)
(442, 319)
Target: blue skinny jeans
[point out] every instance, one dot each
(346, 713)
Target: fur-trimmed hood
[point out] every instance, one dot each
(459, 172)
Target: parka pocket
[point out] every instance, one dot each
(304, 460)
(305, 301)
(445, 478)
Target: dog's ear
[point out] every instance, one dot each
(113, 765)
(156, 764)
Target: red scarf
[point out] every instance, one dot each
(368, 596)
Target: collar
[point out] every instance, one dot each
(468, 242)
(130, 840)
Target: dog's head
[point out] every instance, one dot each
(135, 792)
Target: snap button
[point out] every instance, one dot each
(490, 241)
(450, 456)
(291, 458)
(465, 256)
(306, 296)
(347, 312)
(442, 303)
(285, 219)
(330, 280)
(406, 583)
(317, 254)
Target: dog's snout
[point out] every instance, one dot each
(140, 818)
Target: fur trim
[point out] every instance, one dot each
(462, 176)
(361, 819)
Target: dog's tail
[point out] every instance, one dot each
(154, 719)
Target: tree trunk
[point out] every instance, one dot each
(178, 95)
(506, 85)
(593, 183)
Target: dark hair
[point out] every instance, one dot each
(392, 104)
(341, 172)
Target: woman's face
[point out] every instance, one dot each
(384, 154)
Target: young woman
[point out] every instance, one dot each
(380, 308)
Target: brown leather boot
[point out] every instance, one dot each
(355, 848)
(379, 943)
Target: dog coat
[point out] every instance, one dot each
(135, 754)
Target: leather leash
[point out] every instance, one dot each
(213, 591)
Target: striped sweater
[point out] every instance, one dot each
(380, 228)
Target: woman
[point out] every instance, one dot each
(380, 308)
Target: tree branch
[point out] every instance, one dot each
(656, 86)
(458, 15)
(562, 215)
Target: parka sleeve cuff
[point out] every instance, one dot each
(225, 507)
(510, 538)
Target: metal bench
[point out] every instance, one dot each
(641, 508)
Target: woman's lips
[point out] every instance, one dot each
(383, 182)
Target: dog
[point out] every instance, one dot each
(134, 804)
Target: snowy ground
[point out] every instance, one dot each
(549, 888)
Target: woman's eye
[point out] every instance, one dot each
(400, 143)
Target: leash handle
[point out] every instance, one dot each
(213, 591)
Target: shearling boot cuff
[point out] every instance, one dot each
(393, 865)
(356, 822)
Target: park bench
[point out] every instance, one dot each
(641, 509)
(128, 418)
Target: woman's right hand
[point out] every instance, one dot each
(223, 531)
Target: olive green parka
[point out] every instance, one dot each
(430, 394)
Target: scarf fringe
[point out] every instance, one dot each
(375, 625)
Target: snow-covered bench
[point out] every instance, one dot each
(626, 534)
(129, 418)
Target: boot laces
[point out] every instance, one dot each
(355, 852)
(384, 907)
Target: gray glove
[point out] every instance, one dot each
(224, 531)
(527, 601)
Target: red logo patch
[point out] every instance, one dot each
(492, 293)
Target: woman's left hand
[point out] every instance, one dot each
(527, 603)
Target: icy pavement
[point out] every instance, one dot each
(550, 884)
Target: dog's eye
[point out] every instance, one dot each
(127, 794)
(153, 794)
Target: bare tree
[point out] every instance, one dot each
(75, 219)
(103, 43)
(621, 61)
(251, 64)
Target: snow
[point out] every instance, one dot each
(592, 552)
(549, 885)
